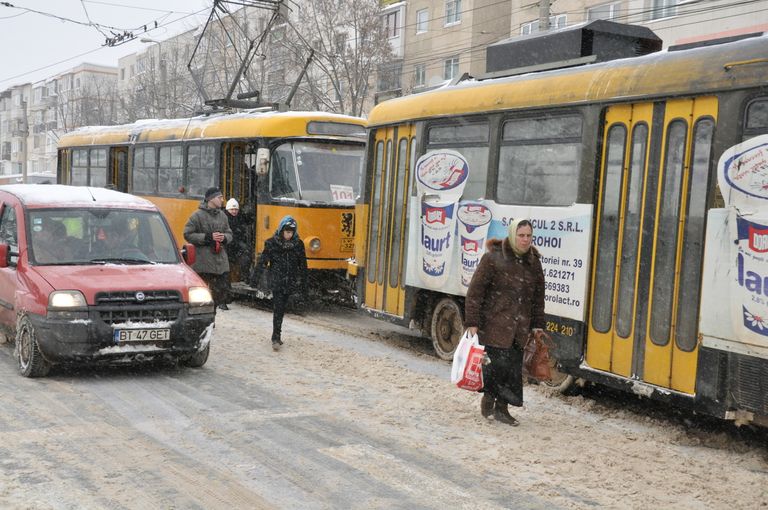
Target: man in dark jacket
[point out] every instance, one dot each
(285, 258)
(208, 229)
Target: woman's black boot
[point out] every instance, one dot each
(501, 413)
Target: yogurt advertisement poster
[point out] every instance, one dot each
(743, 180)
(449, 232)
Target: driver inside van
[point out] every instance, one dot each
(115, 241)
(49, 242)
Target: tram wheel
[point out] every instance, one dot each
(447, 327)
(560, 381)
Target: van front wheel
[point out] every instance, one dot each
(197, 359)
(31, 361)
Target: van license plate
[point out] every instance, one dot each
(141, 335)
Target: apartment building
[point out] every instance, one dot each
(34, 115)
(443, 39)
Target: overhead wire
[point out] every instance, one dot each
(42, 68)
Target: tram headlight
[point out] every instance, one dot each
(314, 244)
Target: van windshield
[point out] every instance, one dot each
(99, 236)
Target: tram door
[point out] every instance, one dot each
(119, 172)
(387, 231)
(653, 190)
(236, 183)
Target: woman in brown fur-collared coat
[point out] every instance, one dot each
(505, 303)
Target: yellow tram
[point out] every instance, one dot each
(630, 171)
(306, 164)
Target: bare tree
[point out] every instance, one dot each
(349, 43)
(91, 103)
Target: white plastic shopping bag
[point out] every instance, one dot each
(467, 368)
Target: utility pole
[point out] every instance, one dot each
(544, 15)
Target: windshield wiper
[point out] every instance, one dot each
(118, 260)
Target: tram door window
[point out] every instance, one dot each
(119, 162)
(385, 281)
(652, 201)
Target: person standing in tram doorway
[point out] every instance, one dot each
(504, 304)
(285, 258)
(208, 229)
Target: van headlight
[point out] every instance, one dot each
(200, 300)
(200, 296)
(66, 299)
(67, 305)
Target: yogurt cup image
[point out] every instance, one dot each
(440, 179)
(474, 221)
(743, 180)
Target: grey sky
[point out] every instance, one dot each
(36, 46)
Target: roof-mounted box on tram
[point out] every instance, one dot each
(584, 43)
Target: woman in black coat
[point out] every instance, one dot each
(286, 260)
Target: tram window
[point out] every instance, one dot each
(608, 234)
(283, 173)
(144, 171)
(373, 238)
(540, 161)
(666, 239)
(462, 133)
(318, 172)
(98, 168)
(201, 168)
(757, 118)
(469, 139)
(693, 236)
(387, 175)
(170, 170)
(398, 213)
(631, 236)
(328, 172)
(79, 176)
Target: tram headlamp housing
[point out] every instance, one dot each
(314, 244)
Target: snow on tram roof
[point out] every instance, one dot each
(142, 124)
(56, 195)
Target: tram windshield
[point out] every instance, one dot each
(316, 172)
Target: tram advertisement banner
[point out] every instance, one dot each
(743, 181)
(447, 236)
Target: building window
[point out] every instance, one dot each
(452, 12)
(558, 21)
(605, 11)
(419, 75)
(422, 21)
(663, 8)
(390, 24)
(451, 68)
(122, 73)
(389, 76)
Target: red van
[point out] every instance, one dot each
(90, 274)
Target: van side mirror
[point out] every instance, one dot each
(262, 162)
(188, 253)
(4, 255)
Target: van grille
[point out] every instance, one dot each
(157, 305)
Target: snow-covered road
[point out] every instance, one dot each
(351, 413)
